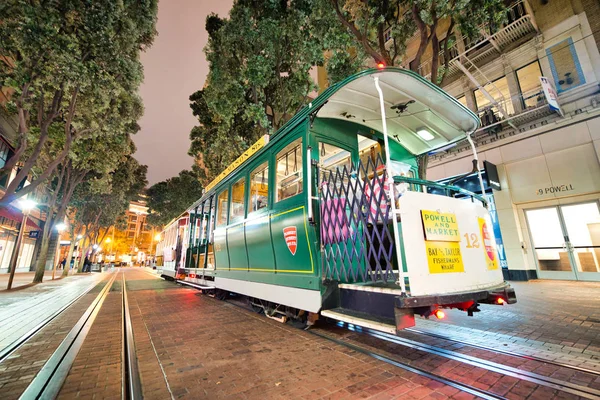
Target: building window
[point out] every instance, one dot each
(528, 78)
(131, 227)
(495, 88)
(462, 100)
(565, 66)
(222, 201)
(131, 234)
(289, 170)
(236, 209)
(133, 218)
(259, 187)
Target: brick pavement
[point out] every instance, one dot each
(96, 371)
(211, 349)
(17, 371)
(555, 320)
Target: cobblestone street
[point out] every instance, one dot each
(190, 345)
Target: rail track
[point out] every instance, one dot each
(49, 380)
(505, 352)
(506, 370)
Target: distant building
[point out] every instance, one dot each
(138, 232)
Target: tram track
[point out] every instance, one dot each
(505, 352)
(505, 370)
(553, 383)
(50, 380)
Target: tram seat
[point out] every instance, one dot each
(334, 226)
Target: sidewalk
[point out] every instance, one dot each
(22, 310)
(25, 278)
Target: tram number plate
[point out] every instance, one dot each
(444, 257)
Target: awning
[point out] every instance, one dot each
(14, 214)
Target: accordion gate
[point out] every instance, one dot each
(355, 218)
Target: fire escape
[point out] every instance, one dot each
(468, 56)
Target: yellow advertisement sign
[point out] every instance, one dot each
(260, 143)
(489, 246)
(440, 226)
(444, 257)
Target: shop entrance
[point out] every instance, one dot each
(566, 240)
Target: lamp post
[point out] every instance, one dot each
(26, 206)
(60, 227)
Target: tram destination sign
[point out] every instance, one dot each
(440, 226)
(444, 257)
(260, 143)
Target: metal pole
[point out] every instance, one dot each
(15, 254)
(388, 167)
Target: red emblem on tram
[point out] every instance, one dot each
(487, 242)
(291, 238)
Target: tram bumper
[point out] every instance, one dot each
(406, 307)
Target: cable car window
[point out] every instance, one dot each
(236, 209)
(334, 158)
(222, 208)
(289, 170)
(259, 187)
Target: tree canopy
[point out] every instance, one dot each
(169, 198)
(383, 28)
(260, 60)
(73, 68)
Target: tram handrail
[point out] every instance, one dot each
(446, 188)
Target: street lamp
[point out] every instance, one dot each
(60, 227)
(26, 206)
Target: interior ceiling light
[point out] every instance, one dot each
(425, 134)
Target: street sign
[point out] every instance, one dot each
(491, 175)
(551, 95)
(34, 234)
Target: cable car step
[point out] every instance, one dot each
(386, 289)
(195, 285)
(361, 319)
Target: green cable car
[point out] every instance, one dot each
(329, 216)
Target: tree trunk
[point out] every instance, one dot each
(41, 261)
(85, 241)
(69, 257)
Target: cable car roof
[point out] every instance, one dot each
(428, 108)
(420, 116)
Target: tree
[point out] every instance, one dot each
(373, 22)
(99, 203)
(71, 63)
(260, 60)
(169, 198)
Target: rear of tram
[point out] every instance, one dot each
(389, 249)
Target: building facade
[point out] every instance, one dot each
(548, 205)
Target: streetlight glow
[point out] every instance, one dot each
(107, 240)
(95, 246)
(27, 204)
(157, 237)
(61, 227)
(79, 236)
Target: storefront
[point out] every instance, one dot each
(549, 206)
(10, 218)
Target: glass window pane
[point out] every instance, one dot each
(289, 170)
(222, 208)
(236, 209)
(565, 66)
(259, 187)
(548, 240)
(583, 227)
(529, 84)
(494, 89)
(462, 100)
(332, 158)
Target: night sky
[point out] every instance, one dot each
(174, 67)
